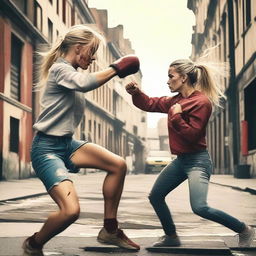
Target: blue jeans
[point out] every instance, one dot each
(197, 168)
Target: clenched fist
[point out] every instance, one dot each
(132, 88)
(176, 108)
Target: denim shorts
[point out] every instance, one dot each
(50, 156)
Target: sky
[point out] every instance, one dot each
(160, 32)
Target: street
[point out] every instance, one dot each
(21, 218)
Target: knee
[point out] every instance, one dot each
(200, 210)
(154, 198)
(122, 166)
(71, 213)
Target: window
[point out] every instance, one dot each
(94, 130)
(237, 19)
(38, 19)
(50, 31)
(135, 130)
(82, 129)
(109, 100)
(57, 6)
(115, 103)
(99, 131)
(14, 135)
(124, 145)
(22, 5)
(16, 53)
(72, 16)
(110, 139)
(64, 11)
(247, 12)
(250, 113)
(90, 125)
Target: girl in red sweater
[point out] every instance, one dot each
(188, 114)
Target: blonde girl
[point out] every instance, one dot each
(55, 152)
(198, 87)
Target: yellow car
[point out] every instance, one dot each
(157, 160)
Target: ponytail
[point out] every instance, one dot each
(49, 58)
(211, 80)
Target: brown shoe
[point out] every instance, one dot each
(29, 250)
(117, 238)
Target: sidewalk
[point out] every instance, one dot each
(15, 189)
(21, 189)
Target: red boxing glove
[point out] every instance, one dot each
(126, 65)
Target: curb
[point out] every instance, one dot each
(249, 190)
(23, 197)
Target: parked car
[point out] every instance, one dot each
(157, 160)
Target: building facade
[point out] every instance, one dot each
(18, 39)
(230, 27)
(109, 120)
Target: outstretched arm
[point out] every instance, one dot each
(104, 76)
(146, 103)
(122, 67)
(68, 77)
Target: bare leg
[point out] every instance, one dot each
(92, 155)
(66, 198)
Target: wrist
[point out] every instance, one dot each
(112, 71)
(135, 92)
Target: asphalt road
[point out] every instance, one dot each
(21, 218)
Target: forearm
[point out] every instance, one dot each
(140, 100)
(150, 104)
(105, 75)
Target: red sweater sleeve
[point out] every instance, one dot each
(151, 104)
(191, 125)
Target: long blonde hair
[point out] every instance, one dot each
(205, 76)
(78, 34)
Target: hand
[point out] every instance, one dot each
(132, 88)
(126, 65)
(176, 108)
